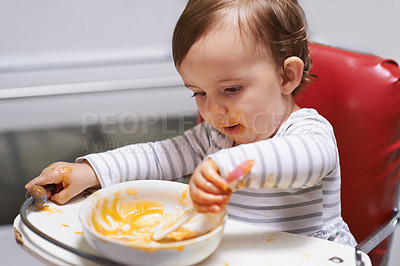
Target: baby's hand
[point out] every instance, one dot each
(208, 190)
(70, 179)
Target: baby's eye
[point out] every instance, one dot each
(233, 89)
(199, 93)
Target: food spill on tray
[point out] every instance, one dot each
(49, 210)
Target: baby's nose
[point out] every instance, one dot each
(217, 108)
(216, 113)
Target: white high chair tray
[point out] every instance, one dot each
(242, 244)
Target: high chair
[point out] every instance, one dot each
(360, 95)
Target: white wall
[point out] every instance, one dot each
(45, 32)
(125, 44)
(368, 26)
(61, 59)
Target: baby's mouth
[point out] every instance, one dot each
(235, 129)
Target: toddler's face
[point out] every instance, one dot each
(237, 89)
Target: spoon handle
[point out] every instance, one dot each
(175, 224)
(238, 174)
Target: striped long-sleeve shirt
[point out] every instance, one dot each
(294, 185)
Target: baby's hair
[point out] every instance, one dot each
(277, 25)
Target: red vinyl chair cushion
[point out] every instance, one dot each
(360, 95)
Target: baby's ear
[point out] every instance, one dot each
(293, 72)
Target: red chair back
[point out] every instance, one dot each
(360, 95)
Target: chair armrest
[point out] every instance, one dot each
(379, 235)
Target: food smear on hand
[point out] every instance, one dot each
(65, 172)
(134, 221)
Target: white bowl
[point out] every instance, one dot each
(124, 200)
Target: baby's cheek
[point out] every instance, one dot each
(263, 124)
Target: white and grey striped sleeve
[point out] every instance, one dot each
(303, 151)
(168, 159)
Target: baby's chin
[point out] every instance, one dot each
(247, 138)
(241, 135)
(241, 139)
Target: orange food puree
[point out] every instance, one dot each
(133, 221)
(50, 210)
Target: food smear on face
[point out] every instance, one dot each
(134, 221)
(49, 210)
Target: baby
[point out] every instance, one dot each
(244, 62)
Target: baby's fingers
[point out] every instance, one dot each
(51, 175)
(43, 180)
(207, 208)
(63, 196)
(204, 198)
(210, 173)
(205, 185)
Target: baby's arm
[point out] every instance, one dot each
(70, 179)
(289, 162)
(300, 156)
(168, 159)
